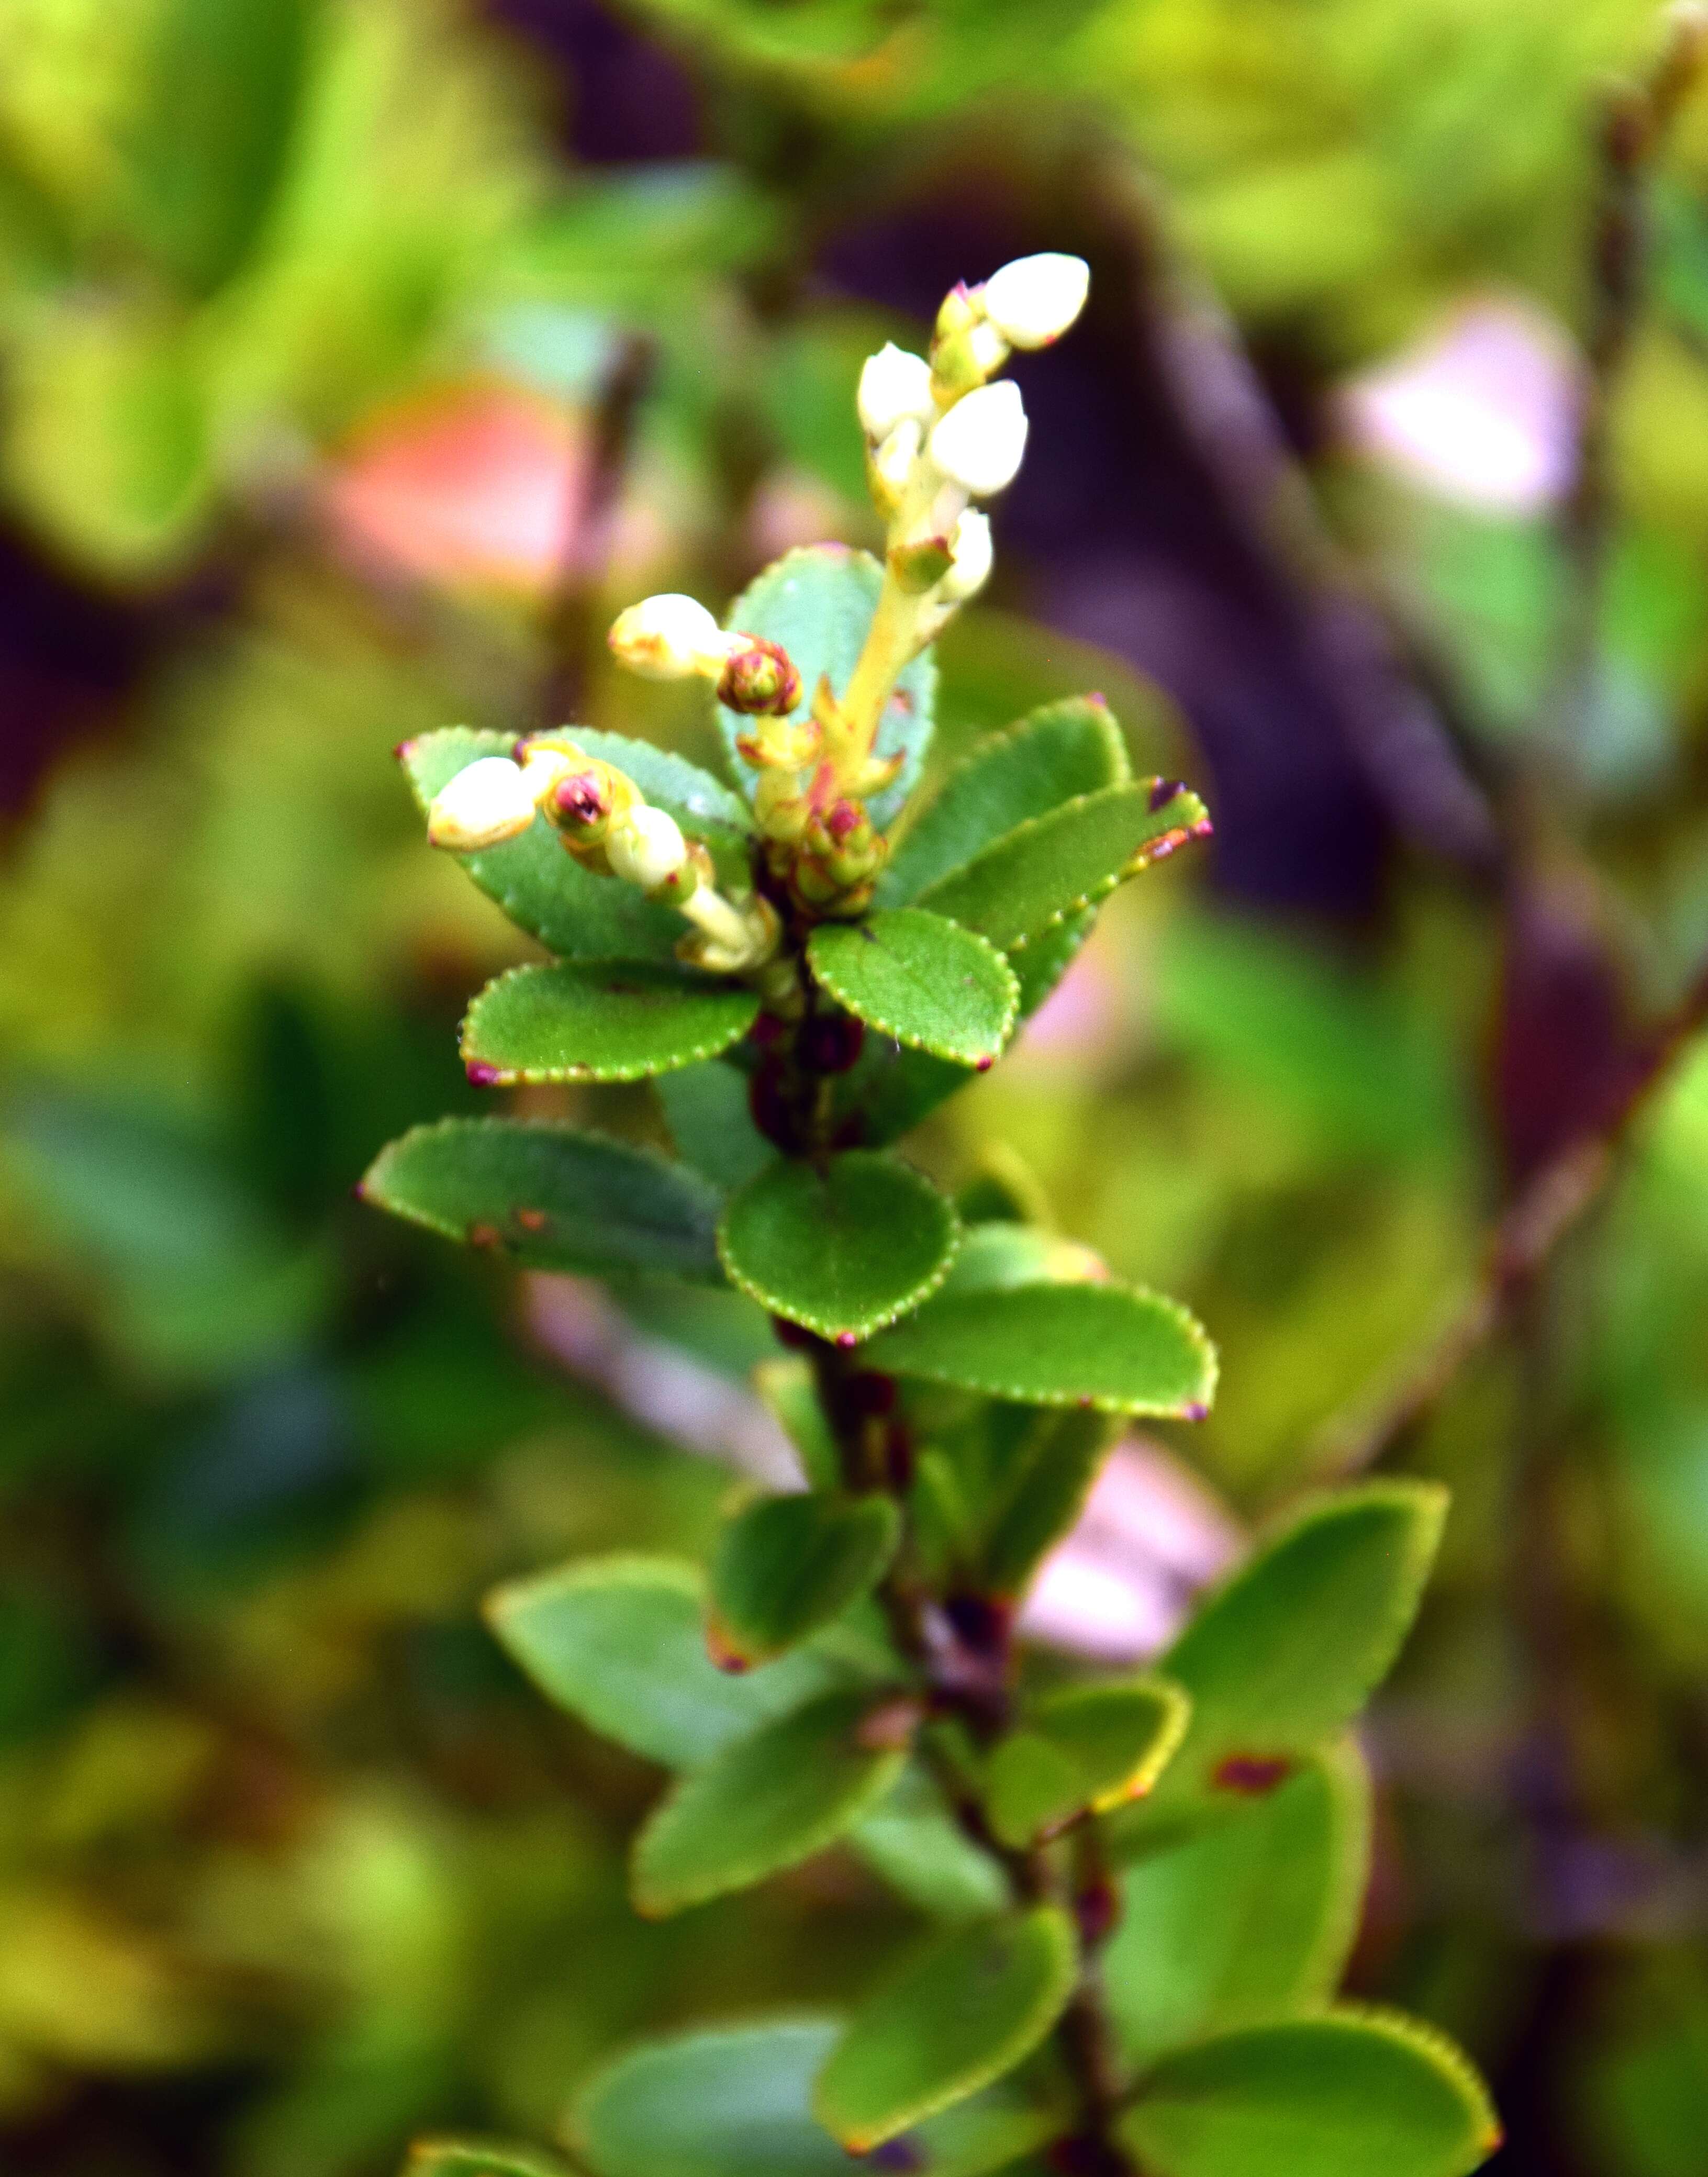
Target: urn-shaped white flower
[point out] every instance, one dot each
(972, 556)
(1033, 300)
(487, 802)
(894, 385)
(979, 443)
(670, 637)
(646, 847)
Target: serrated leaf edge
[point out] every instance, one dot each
(504, 1077)
(873, 1019)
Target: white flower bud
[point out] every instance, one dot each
(487, 802)
(646, 847)
(987, 347)
(978, 444)
(670, 637)
(1034, 301)
(895, 459)
(894, 385)
(971, 554)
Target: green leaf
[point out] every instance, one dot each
(1343, 2096)
(550, 1197)
(786, 1385)
(621, 1642)
(843, 1251)
(706, 1109)
(1111, 1346)
(1247, 1920)
(541, 888)
(1081, 1750)
(735, 2101)
(818, 603)
(590, 1020)
(1053, 866)
(920, 980)
(1039, 1498)
(789, 1564)
(916, 1845)
(765, 1803)
(475, 2158)
(1288, 1651)
(957, 2017)
(1000, 1254)
(1057, 753)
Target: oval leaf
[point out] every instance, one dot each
(914, 977)
(1039, 1494)
(475, 2157)
(1080, 1751)
(1339, 2096)
(843, 1251)
(1109, 1346)
(818, 603)
(706, 1108)
(1056, 754)
(967, 2011)
(541, 888)
(789, 1564)
(735, 2101)
(1247, 1920)
(621, 1642)
(1287, 1652)
(550, 1197)
(1053, 866)
(765, 1803)
(585, 1020)
(914, 1842)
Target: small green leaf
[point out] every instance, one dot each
(1247, 1920)
(1081, 1750)
(621, 1643)
(818, 603)
(789, 1564)
(541, 888)
(966, 2012)
(786, 1385)
(1053, 866)
(843, 1251)
(1342, 2096)
(591, 1020)
(706, 1109)
(919, 979)
(765, 1803)
(1058, 753)
(914, 1843)
(1000, 1254)
(1288, 1651)
(477, 2157)
(1109, 1346)
(735, 2101)
(1038, 1497)
(550, 1197)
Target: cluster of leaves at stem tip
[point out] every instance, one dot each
(1139, 1891)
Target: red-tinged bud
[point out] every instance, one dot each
(831, 1044)
(582, 800)
(760, 680)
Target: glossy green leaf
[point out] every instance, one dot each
(1108, 1346)
(1080, 1750)
(550, 1197)
(1053, 866)
(920, 980)
(967, 2010)
(621, 1642)
(818, 603)
(1000, 1254)
(1057, 753)
(787, 1386)
(788, 1564)
(842, 1250)
(1287, 1652)
(1354, 2094)
(1038, 1497)
(706, 1109)
(914, 1843)
(735, 2101)
(593, 1020)
(765, 1803)
(1247, 1919)
(541, 888)
(477, 2157)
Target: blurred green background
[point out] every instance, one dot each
(358, 358)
